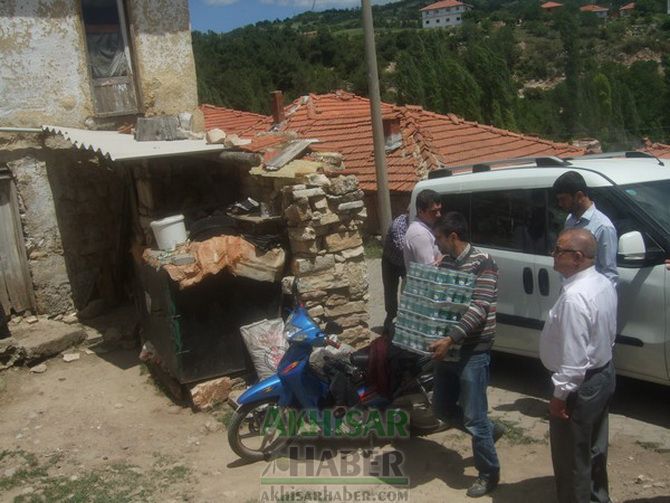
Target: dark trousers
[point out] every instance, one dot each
(579, 444)
(391, 274)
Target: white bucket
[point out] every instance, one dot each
(169, 232)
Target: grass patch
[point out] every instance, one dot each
(223, 413)
(373, 247)
(515, 434)
(111, 483)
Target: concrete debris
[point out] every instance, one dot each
(70, 357)
(70, 318)
(232, 140)
(32, 319)
(39, 369)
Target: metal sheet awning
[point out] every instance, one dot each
(123, 147)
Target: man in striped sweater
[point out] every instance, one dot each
(461, 378)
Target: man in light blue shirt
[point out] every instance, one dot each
(572, 196)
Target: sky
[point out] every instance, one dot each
(226, 15)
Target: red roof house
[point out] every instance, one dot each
(443, 5)
(551, 6)
(599, 11)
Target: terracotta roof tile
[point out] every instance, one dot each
(234, 121)
(551, 5)
(443, 4)
(628, 6)
(593, 8)
(657, 149)
(341, 122)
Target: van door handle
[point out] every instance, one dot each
(527, 280)
(543, 282)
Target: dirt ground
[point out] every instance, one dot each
(99, 429)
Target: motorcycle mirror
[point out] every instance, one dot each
(333, 328)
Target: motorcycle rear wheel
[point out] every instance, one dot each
(250, 437)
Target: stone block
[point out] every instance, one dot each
(316, 311)
(352, 206)
(298, 212)
(336, 299)
(346, 309)
(314, 192)
(352, 253)
(352, 320)
(357, 336)
(47, 338)
(324, 281)
(314, 295)
(215, 135)
(325, 219)
(320, 203)
(343, 184)
(356, 276)
(209, 393)
(345, 198)
(302, 234)
(342, 241)
(304, 266)
(317, 180)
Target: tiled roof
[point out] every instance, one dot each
(593, 8)
(657, 149)
(234, 121)
(341, 122)
(443, 5)
(551, 5)
(628, 6)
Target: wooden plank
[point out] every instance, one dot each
(11, 250)
(294, 149)
(4, 294)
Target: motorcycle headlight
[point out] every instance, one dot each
(293, 333)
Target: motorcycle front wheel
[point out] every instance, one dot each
(258, 430)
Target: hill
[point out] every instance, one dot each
(563, 75)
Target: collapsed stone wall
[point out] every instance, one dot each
(326, 218)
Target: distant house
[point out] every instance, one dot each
(600, 12)
(627, 10)
(417, 141)
(551, 6)
(444, 14)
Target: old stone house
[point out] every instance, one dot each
(89, 65)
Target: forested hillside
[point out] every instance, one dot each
(563, 75)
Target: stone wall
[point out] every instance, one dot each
(71, 206)
(44, 76)
(325, 218)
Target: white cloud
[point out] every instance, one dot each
(321, 4)
(220, 2)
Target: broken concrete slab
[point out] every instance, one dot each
(46, 338)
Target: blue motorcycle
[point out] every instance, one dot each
(282, 407)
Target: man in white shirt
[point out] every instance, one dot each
(576, 345)
(420, 243)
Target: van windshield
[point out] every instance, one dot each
(653, 198)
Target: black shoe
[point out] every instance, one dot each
(483, 486)
(498, 431)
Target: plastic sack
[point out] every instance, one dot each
(266, 345)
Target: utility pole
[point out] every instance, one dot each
(383, 197)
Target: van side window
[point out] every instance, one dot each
(456, 202)
(622, 219)
(512, 220)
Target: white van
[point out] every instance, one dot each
(513, 215)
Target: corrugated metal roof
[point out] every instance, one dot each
(123, 147)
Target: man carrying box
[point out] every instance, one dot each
(459, 388)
